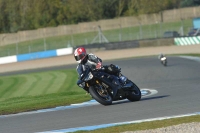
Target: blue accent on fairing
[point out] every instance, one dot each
(36, 55)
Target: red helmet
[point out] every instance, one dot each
(80, 54)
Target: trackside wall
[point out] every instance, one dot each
(36, 55)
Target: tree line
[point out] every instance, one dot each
(18, 15)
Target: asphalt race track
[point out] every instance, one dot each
(178, 87)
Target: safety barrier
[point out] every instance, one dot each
(36, 55)
(187, 40)
(102, 46)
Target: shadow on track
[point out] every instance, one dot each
(156, 97)
(142, 99)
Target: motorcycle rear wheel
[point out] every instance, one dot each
(100, 94)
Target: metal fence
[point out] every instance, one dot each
(99, 35)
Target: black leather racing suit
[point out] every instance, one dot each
(90, 61)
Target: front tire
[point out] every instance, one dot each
(100, 94)
(135, 94)
(165, 63)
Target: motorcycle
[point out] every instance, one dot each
(164, 60)
(101, 87)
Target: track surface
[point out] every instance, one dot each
(178, 87)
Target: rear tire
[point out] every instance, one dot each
(135, 94)
(100, 96)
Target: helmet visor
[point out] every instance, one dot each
(79, 57)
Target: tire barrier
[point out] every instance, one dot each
(181, 41)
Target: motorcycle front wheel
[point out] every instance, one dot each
(100, 94)
(165, 63)
(135, 93)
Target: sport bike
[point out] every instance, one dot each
(101, 87)
(164, 61)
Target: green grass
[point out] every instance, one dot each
(30, 103)
(129, 33)
(33, 91)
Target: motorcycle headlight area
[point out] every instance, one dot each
(89, 76)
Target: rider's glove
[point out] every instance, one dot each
(98, 66)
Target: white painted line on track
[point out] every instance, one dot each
(145, 93)
(94, 127)
(145, 90)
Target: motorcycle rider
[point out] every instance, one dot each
(163, 59)
(92, 61)
(161, 55)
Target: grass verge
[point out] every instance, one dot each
(31, 103)
(20, 93)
